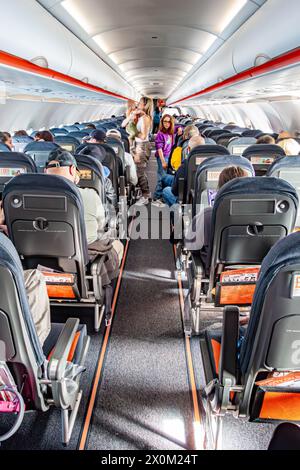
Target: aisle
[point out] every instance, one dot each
(144, 400)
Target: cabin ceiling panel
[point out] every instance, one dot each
(150, 35)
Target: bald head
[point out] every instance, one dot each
(195, 141)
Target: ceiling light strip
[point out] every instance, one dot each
(27, 66)
(284, 60)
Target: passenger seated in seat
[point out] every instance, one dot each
(290, 146)
(266, 139)
(44, 136)
(198, 236)
(128, 157)
(37, 295)
(98, 136)
(99, 154)
(176, 157)
(21, 133)
(62, 163)
(171, 183)
(5, 139)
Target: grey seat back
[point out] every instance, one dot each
(272, 341)
(19, 343)
(288, 169)
(207, 177)
(249, 216)
(195, 158)
(45, 219)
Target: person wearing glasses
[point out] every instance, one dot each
(163, 144)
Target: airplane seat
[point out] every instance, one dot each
(118, 148)
(72, 128)
(39, 377)
(249, 216)
(91, 175)
(252, 133)
(288, 169)
(111, 161)
(239, 144)
(224, 139)
(39, 152)
(45, 219)
(67, 142)
(262, 156)
(253, 373)
(214, 133)
(13, 164)
(79, 135)
(207, 177)
(209, 141)
(20, 142)
(56, 131)
(195, 158)
(205, 132)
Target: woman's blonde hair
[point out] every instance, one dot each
(290, 146)
(148, 103)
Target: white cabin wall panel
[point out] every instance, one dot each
(273, 30)
(256, 36)
(15, 115)
(257, 115)
(289, 112)
(29, 31)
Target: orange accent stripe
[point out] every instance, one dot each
(284, 60)
(101, 359)
(216, 352)
(281, 406)
(27, 66)
(197, 416)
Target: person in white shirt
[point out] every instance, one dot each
(62, 163)
(133, 179)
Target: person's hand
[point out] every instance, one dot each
(165, 165)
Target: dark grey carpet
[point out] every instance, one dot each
(143, 400)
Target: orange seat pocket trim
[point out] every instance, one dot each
(72, 349)
(281, 406)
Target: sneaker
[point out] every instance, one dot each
(158, 203)
(142, 201)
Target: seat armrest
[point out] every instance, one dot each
(229, 347)
(181, 190)
(197, 264)
(58, 361)
(127, 174)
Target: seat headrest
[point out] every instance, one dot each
(212, 150)
(254, 186)
(40, 146)
(9, 259)
(51, 184)
(284, 162)
(15, 158)
(263, 149)
(91, 163)
(228, 160)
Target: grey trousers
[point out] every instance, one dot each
(38, 300)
